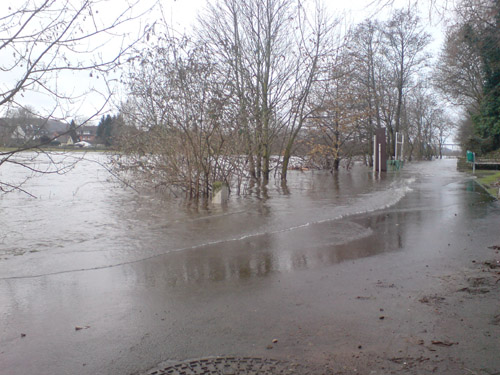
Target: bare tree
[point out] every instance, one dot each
(225, 28)
(444, 129)
(340, 109)
(404, 49)
(365, 46)
(274, 50)
(255, 39)
(315, 46)
(181, 103)
(44, 42)
(421, 116)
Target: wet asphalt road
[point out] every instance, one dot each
(218, 300)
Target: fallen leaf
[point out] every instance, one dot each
(79, 328)
(443, 343)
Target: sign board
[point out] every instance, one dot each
(470, 156)
(380, 156)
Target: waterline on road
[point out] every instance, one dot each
(82, 221)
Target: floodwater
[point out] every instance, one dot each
(151, 280)
(83, 220)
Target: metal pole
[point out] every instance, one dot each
(474, 163)
(396, 147)
(374, 153)
(379, 158)
(402, 146)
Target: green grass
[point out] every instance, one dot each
(487, 179)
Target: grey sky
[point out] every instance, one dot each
(180, 14)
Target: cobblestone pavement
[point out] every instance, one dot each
(235, 366)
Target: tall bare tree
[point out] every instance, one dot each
(311, 64)
(421, 114)
(274, 50)
(340, 109)
(405, 40)
(224, 27)
(369, 71)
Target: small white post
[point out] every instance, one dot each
(379, 158)
(396, 147)
(402, 147)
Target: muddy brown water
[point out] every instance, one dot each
(83, 220)
(150, 280)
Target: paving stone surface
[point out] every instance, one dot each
(234, 366)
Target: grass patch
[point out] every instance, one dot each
(489, 180)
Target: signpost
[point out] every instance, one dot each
(398, 161)
(379, 151)
(471, 158)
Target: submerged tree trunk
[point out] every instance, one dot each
(336, 163)
(286, 159)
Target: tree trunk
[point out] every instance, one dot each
(286, 159)
(336, 163)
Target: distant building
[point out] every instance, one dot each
(64, 139)
(25, 131)
(87, 133)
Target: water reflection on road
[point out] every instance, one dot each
(81, 220)
(153, 279)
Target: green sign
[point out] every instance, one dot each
(470, 156)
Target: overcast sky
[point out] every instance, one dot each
(181, 15)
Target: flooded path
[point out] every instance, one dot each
(148, 280)
(81, 220)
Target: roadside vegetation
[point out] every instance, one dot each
(261, 81)
(490, 181)
(469, 73)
